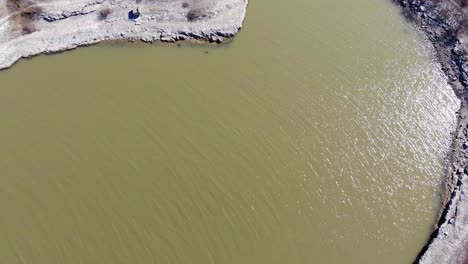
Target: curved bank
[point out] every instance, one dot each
(445, 23)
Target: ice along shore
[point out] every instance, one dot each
(32, 27)
(445, 24)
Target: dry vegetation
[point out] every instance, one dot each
(197, 14)
(104, 13)
(24, 13)
(198, 9)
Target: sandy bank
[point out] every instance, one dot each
(445, 23)
(32, 27)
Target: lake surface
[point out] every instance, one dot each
(317, 136)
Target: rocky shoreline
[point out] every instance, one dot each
(445, 24)
(33, 27)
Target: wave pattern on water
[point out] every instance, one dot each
(321, 138)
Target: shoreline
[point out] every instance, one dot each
(60, 26)
(445, 25)
(123, 43)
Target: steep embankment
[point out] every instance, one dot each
(445, 23)
(31, 27)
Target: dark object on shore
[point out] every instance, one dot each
(134, 14)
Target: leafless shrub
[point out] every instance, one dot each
(28, 29)
(31, 13)
(15, 5)
(104, 13)
(24, 13)
(196, 14)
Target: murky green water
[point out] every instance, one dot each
(317, 136)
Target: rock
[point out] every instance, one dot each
(216, 38)
(51, 17)
(167, 38)
(147, 39)
(213, 38)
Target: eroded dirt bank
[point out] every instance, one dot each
(31, 27)
(445, 23)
